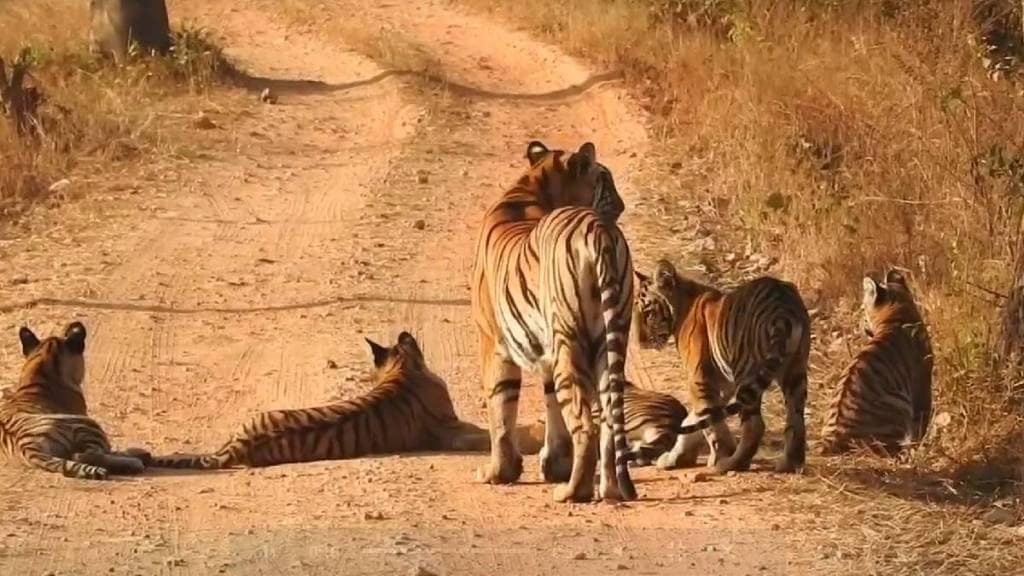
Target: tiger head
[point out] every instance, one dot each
(404, 358)
(653, 311)
(888, 302)
(54, 360)
(579, 180)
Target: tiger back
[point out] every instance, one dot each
(408, 409)
(884, 398)
(746, 339)
(551, 286)
(43, 419)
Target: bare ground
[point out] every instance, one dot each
(244, 277)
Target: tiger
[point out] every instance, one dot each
(551, 287)
(653, 420)
(44, 420)
(884, 399)
(743, 340)
(408, 410)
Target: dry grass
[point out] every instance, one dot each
(96, 116)
(841, 137)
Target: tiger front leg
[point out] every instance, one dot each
(683, 453)
(556, 454)
(502, 381)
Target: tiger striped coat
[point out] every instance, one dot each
(551, 287)
(44, 421)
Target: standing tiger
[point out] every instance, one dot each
(43, 419)
(749, 337)
(884, 400)
(654, 421)
(408, 410)
(551, 287)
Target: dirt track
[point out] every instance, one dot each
(231, 284)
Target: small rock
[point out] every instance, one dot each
(419, 224)
(174, 562)
(999, 516)
(732, 473)
(579, 556)
(687, 512)
(621, 566)
(19, 280)
(775, 527)
(331, 364)
(700, 477)
(268, 97)
(721, 501)
(709, 548)
(206, 490)
(422, 177)
(942, 419)
(373, 515)
(422, 571)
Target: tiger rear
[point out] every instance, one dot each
(551, 287)
(44, 421)
(884, 399)
(748, 338)
(408, 410)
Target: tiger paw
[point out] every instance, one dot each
(785, 466)
(555, 465)
(139, 454)
(673, 461)
(724, 465)
(503, 472)
(565, 493)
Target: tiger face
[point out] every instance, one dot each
(63, 356)
(403, 357)
(653, 314)
(584, 181)
(887, 302)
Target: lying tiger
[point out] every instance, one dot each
(408, 410)
(654, 423)
(44, 421)
(750, 337)
(884, 400)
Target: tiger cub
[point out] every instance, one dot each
(884, 400)
(43, 419)
(408, 410)
(749, 337)
(654, 420)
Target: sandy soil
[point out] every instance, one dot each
(246, 279)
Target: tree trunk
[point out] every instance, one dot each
(19, 102)
(116, 24)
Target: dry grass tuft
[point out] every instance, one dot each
(95, 115)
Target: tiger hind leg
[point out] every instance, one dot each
(502, 381)
(751, 433)
(556, 454)
(794, 391)
(69, 468)
(577, 406)
(112, 462)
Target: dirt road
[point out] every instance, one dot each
(237, 281)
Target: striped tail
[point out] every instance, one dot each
(224, 458)
(616, 324)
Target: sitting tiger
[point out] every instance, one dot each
(749, 337)
(884, 400)
(654, 421)
(408, 410)
(43, 419)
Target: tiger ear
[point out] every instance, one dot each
(894, 276)
(74, 337)
(871, 291)
(535, 151)
(665, 275)
(380, 353)
(581, 162)
(29, 341)
(406, 341)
